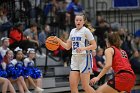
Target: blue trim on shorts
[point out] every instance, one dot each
(86, 65)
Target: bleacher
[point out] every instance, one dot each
(56, 77)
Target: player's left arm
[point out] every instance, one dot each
(92, 42)
(89, 36)
(92, 45)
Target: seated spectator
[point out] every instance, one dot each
(3, 18)
(5, 82)
(94, 68)
(50, 10)
(64, 54)
(73, 8)
(100, 61)
(61, 12)
(115, 26)
(44, 34)
(126, 44)
(137, 33)
(16, 38)
(135, 62)
(102, 28)
(9, 64)
(32, 35)
(33, 75)
(4, 47)
(5, 25)
(135, 44)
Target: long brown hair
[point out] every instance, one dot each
(89, 26)
(114, 39)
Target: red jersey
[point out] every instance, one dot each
(120, 61)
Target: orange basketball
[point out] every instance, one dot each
(51, 44)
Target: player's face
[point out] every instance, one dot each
(79, 22)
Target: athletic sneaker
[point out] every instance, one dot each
(38, 89)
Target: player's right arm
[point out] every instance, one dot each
(66, 45)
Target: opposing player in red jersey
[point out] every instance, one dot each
(124, 77)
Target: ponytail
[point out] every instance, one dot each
(89, 26)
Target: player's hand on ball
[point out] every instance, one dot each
(56, 38)
(52, 43)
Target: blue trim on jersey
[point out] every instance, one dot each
(85, 42)
(86, 45)
(86, 64)
(91, 59)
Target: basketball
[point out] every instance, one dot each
(51, 44)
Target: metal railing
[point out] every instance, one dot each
(126, 19)
(136, 25)
(102, 7)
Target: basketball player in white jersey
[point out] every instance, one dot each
(81, 61)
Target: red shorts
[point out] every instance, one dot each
(123, 81)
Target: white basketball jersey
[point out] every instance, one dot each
(79, 37)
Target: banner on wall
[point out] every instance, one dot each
(126, 3)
